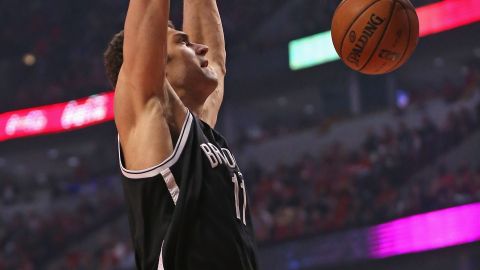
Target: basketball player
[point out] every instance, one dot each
(186, 197)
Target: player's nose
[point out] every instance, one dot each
(201, 49)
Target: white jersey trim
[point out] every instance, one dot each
(171, 184)
(160, 259)
(166, 164)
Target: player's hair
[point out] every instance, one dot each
(113, 56)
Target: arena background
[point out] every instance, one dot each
(344, 171)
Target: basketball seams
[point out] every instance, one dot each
(353, 22)
(382, 36)
(405, 10)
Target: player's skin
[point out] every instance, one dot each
(164, 73)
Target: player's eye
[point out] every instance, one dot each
(184, 40)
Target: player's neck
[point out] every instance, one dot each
(193, 106)
(191, 103)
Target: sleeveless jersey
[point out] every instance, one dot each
(190, 212)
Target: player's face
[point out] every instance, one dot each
(187, 67)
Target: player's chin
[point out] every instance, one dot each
(210, 74)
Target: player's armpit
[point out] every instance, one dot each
(149, 135)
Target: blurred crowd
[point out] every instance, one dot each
(343, 188)
(52, 51)
(110, 249)
(278, 123)
(40, 223)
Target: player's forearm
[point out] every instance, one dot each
(203, 24)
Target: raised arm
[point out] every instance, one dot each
(145, 50)
(203, 24)
(143, 97)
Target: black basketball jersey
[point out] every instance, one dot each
(190, 212)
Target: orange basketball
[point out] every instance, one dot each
(375, 36)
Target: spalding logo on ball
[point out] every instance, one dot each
(375, 36)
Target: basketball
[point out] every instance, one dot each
(375, 36)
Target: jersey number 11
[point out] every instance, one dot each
(237, 203)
